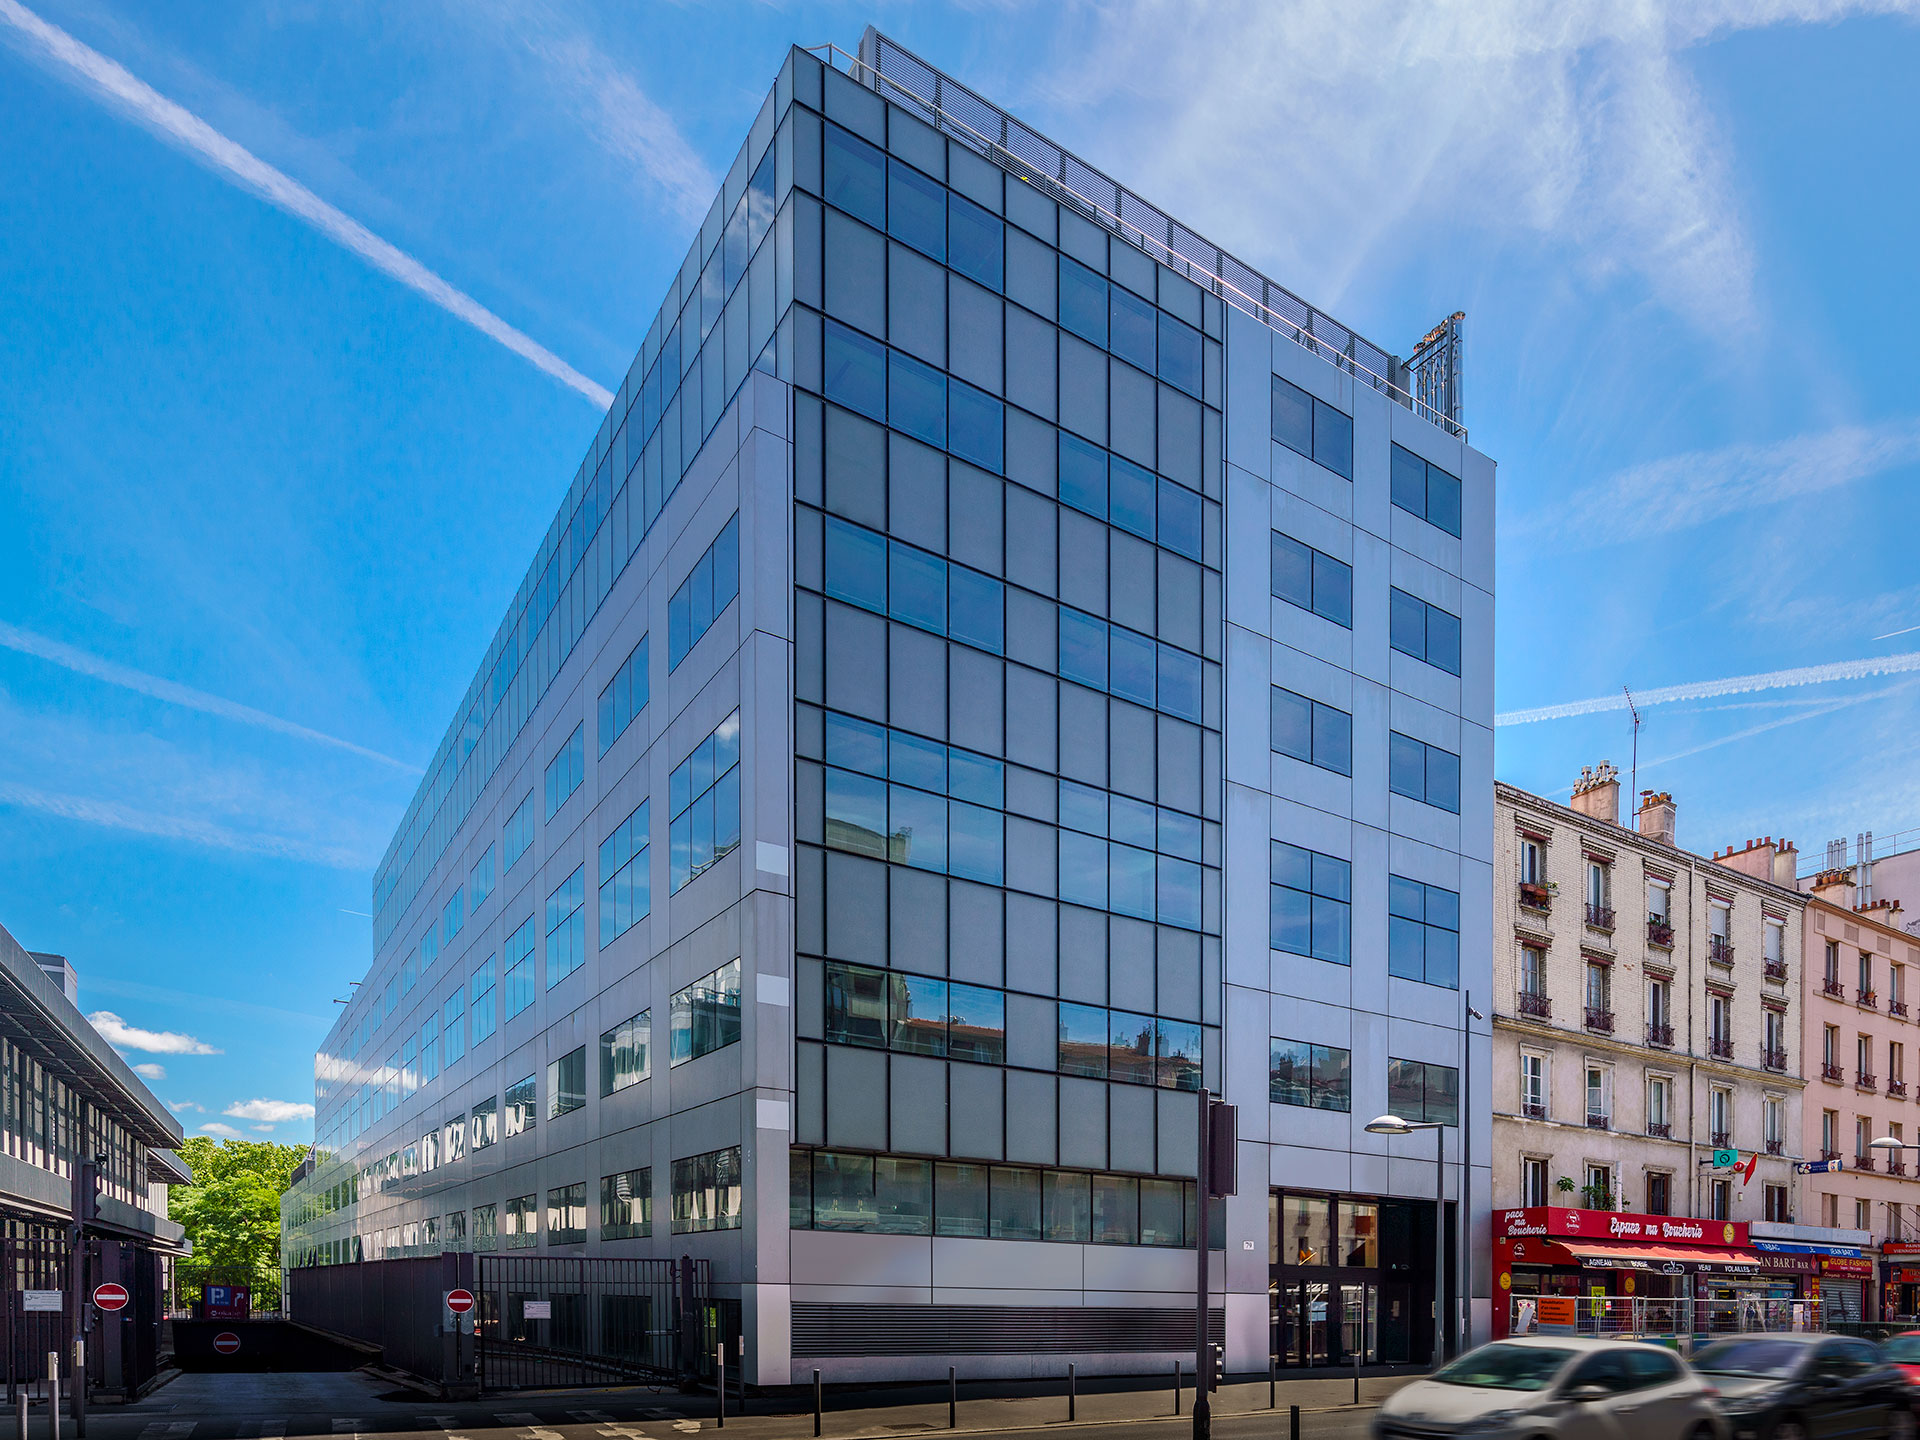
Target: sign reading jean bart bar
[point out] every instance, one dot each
(1553, 1222)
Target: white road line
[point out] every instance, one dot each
(518, 1417)
(348, 1427)
(168, 1430)
(445, 1422)
(273, 1430)
(623, 1432)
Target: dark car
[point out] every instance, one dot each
(1808, 1387)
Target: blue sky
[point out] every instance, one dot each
(302, 305)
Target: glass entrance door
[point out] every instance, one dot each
(1360, 1324)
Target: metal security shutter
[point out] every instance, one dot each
(1840, 1301)
(821, 1330)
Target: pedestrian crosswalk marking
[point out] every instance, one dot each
(273, 1430)
(518, 1417)
(445, 1422)
(623, 1432)
(348, 1427)
(168, 1430)
(596, 1417)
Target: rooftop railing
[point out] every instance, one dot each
(950, 107)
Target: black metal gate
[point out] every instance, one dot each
(34, 1262)
(554, 1320)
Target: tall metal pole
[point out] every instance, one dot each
(1202, 1372)
(1439, 1246)
(1463, 1211)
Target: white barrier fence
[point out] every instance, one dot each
(1639, 1315)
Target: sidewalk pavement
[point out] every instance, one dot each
(915, 1410)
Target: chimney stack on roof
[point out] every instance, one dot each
(1835, 886)
(1768, 859)
(1596, 793)
(1655, 817)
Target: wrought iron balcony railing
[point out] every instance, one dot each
(1661, 1035)
(1660, 1129)
(1773, 1059)
(1776, 970)
(1536, 897)
(1830, 1071)
(1720, 1046)
(1535, 1005)
(1719, 950)
(1659, 932)
(1601, 1020)
(1833, 987)
(1596, 1121)
(1600, 917)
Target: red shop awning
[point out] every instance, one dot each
(1622, 1256)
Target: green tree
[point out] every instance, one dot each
(232, 1214)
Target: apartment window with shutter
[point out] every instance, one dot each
(1659, 902)
(1830, 1131)
(1723, 1199)
(1532, 872)
(1863, 1215)
(1533, 1181)
(1774, 935)
(1866, 974)
(1533, 970)
(1533, 1086)
(1833, 962)
(1598, 1110)
(1776, 1203)
(1659, 1193)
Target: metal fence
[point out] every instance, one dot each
(399, 1305)
(34, 1263)
(1640, 1315)
(951, 107)
(556, 1320)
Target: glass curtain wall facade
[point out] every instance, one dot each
(942, 751)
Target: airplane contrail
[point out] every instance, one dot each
(141, 683)
(112, 82)
(1733, 685)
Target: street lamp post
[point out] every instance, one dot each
(1394, 1125)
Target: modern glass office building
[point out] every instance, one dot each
(1003, 666)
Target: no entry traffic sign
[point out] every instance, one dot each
(459, 1301)
(226, 1342)
(111, 1296)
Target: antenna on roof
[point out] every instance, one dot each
(1634, 710)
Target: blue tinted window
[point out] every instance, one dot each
(1443, 499)
(916, 209)
(1083, 870)
(1133, 326)
(1083, 648)
(1292, 416)
(976, 610)
(856, 744)
(1179, 519)
(855, 370)
(976, 242)
(704, 594)
(977, 425)
(1132, 662)
(976, 846)
(1179, 354)
(915, 761)
(917, 588)
(1310, 909)
(856, 564)
(1179, 683)
(1409, 481)
(1083, 301)
(1333, 438)
(1179, 892)
(1131, 881)
(1132, 498)
(976, 778)
(916, 828)
(854, 176)
(1083, 475)
(1426, 490)
(917, 400)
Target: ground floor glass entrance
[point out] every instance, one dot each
(1349, 1278)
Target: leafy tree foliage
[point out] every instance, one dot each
(232, 1214)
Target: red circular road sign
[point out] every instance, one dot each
(226, 1342)
(111, 1296)
(459, 1301)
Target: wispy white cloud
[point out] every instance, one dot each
(118, 1032)
(111, 815)
(106, 79)
(25, 642)
(271, 1111)
(612, 107)
(1733, 685)
(150, 1071)
(182, 1107)
(1316, 134)
(221, 1130)
(1677, 492)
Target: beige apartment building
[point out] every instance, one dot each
(1859, 1036)
(1643, 1012)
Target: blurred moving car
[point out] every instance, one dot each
(1544, 1387)
(1903, 1353)
(1808, 1387)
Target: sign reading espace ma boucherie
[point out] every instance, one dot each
(1565, 1224)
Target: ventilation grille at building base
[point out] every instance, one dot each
(822, 1330)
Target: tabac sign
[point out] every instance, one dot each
(1561, 1224)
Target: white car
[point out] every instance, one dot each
(1545, 1387)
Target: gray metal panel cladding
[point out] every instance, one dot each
(823, 1329)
